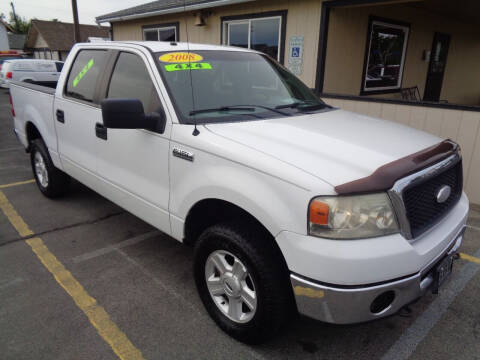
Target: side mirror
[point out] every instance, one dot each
(129, 114)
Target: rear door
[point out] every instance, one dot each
(133, 163)
(76, 111)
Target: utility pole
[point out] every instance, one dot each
(14, 16)
(76, 28)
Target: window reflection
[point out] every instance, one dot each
(264, 36)
(260, 34)
(386, 55)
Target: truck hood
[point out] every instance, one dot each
(336, 146)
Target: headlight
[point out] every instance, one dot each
(352, 217)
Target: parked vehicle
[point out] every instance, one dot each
(289, 203)
(45, 72)
(9, 55)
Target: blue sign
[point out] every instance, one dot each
(296, 51)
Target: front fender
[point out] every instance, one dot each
(274, 192)
(277, 205)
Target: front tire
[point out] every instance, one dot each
(242, 283)
(51, 181)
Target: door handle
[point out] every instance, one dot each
(60, 116)
(101, 131)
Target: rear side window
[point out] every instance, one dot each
(131, 80)
(85, 72)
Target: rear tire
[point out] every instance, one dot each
(51, 181)
(264, 277)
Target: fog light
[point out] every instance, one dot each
(382, 301)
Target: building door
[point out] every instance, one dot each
(436, 69)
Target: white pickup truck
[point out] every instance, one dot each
(290, 204)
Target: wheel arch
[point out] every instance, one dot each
(210, 211)
(32, 132)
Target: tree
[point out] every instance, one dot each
(20, 25)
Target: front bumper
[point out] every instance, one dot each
(352, 304)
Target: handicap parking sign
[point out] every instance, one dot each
(295, 57)
(296, 51)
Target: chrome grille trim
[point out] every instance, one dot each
(396, 192)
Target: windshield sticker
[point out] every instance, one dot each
(180, 57)
(189, 66)
(82, 73)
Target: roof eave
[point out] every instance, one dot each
(99, 20)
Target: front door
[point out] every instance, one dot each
(436, 69)
(133, 163)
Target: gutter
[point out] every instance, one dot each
(174, 10)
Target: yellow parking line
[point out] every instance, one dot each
(470, 258)
(95, 313)
(17, 183)
(13, 216)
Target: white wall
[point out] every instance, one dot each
(3, 38)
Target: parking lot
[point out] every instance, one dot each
(80, 278)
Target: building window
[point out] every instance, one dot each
(385, 56)
(164, 32)
(261, 32)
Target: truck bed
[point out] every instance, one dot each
(33, 105)
(48, 87)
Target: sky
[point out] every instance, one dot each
(62, 9)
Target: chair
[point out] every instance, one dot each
(411, 93)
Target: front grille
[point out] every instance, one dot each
(420, 200)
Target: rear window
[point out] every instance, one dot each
(85, 72)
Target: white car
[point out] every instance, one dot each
(290, 204)
(45, 72)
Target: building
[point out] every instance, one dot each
(411, 61)
(16, 41)
(54, 39)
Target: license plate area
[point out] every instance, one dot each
(441, 272)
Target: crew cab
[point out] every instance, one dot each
(292, 205)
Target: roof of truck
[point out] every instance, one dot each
(158, 46)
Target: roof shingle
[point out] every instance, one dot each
(150, 7)
(59, 35)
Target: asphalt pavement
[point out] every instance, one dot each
(81, 278)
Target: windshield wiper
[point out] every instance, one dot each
(237, 108)
(305, 104)
(222, 108)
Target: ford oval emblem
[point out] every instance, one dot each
(443, 193)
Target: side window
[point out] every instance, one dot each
(59, 65)
(131, 80)
(86, 70)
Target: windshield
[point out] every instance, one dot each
(230, 86)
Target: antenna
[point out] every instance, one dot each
(195, 132)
